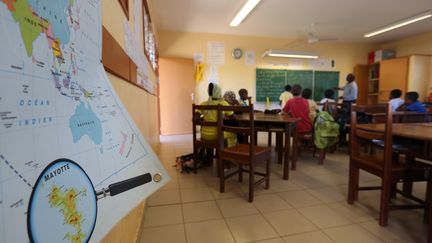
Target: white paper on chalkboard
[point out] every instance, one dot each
(250, 58)
(321, 64)
(215, 53)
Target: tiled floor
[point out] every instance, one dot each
(309, 207)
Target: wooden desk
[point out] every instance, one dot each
(402, 116)
(284, 121)
(418, 131)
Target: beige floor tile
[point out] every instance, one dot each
(289, 222)
(236, 207)
(163, 215)
(250, 228)
(310, 237)
(300, 199)
(195, 195)
(187, 181)
(329, 194)
(164, 197)
(323, 216)
(201, 211)
(171, 185)
(283, 186)
(275, 240)
(231, 191)
(395, 232)
(356, 213)
(351, 234)
(215, 231)
(270, 202)
(159, 234)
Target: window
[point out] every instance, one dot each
(150, 47)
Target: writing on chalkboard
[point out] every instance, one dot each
(271, 82)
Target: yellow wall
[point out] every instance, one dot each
(235, 74)
(420, 44)
(143, 109)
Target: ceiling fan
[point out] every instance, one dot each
(309, 38)
(312, 38)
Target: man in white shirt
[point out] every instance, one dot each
(350, 94)
(285, 96)
(350, 90)
(395, 99)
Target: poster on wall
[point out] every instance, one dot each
(216, 53)
(72, 161)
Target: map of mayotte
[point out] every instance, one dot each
(85, 122)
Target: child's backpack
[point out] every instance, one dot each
(326, 130)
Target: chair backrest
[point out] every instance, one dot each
(249, 130)
(197, 122)
(360, 136)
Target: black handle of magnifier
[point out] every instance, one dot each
(122, 186)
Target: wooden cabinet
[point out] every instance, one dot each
(412, 73)
(393, 75)
(362, 79)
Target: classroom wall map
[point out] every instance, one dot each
(72, 161)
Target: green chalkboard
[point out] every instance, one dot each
(271, 82)
(303, 78)
(323, 81)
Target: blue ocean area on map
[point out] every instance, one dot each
(85, 122)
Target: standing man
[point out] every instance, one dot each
(349, 97)
(350, 90)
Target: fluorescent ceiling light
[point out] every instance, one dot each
(401, 23)
(247, 8)
(290, 54)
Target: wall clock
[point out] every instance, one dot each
(237, 53)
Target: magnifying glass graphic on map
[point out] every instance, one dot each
(63, 203)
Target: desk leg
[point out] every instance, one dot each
(295, 147)
(287, 151)
(279, 147)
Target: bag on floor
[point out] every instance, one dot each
(185, 163)
(326, 130)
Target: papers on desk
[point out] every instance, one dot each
(262, 106)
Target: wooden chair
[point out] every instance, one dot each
(199, 143)
(307, 139)
(382, 164)
(242, 154)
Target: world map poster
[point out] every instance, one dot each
(72, 161)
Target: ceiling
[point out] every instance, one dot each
(346, 20)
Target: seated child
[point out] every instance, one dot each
(285, 96)
(328, 97)
(313, 107)
(215, 98)
(412, 103)
(230, 97)
(298, 107)
(395, 99)
(244, 97)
